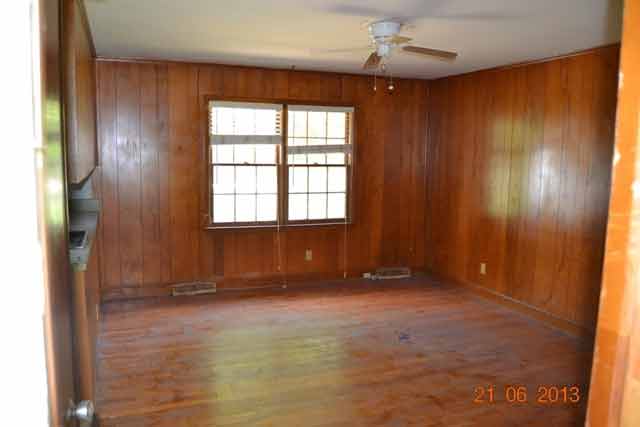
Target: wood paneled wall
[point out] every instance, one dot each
(152, 127)
(519, 163)
(79, 68)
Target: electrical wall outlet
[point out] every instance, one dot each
(483, 268)
(308, 255)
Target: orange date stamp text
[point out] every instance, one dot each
(520, 394)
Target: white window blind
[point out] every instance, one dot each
(321, 108)
(239, 123)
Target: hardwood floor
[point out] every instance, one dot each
(395, 353)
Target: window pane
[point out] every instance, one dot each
(223, 208)
(222, 153)
(317, 206)
(299, 141)
(244, 153)
(297, 159)
(318, 158)
(317, 180)
(317, 141)
(317, 124)
(298, 179)
(335, 158)
(266, 122)
(297, 206)
(245, 179)
(267, 207)
(337, 179)
(223, 179)
(244, 121)
(245, 208)
(223, 121)
(267, 179)
(265, 154)
(336, 205)
(298, 120)
(337, 125)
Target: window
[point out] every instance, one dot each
(262, 174)
(244, 152)
(317, 151)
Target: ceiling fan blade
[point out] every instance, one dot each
(400, 39)
(442, 54)
(372, 61)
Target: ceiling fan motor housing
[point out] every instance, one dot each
(384, 30)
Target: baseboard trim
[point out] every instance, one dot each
(543, 316)
(226, 284)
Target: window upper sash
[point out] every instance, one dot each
(235, 137)
(276, 137)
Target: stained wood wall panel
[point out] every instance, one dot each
(519, 164)
(152, 133)
(110, 259)
(184, 187)
(79, 91)
(129, 185)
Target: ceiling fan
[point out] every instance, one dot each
(385, 39)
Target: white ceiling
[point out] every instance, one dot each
(300, 33)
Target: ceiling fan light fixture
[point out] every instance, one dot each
(383, 49)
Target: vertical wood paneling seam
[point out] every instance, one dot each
(99, 142)
(541, 146)
(157, 152)
(140, 175)
(199, 143)
(169, 174)
(116, 134)
(172, 270)
(101, 183)
(565, 134)
(426, 180)
(508, 228)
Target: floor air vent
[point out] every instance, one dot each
(392, 273)
(195, 288)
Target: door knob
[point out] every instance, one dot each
(83, 412)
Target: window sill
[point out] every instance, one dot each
(232, 227)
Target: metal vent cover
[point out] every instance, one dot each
(392, 273)
(193, 288)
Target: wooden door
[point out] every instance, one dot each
(614, 393)
(53, 222)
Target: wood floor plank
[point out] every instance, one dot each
(398, 353)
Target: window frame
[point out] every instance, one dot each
(282, 167)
